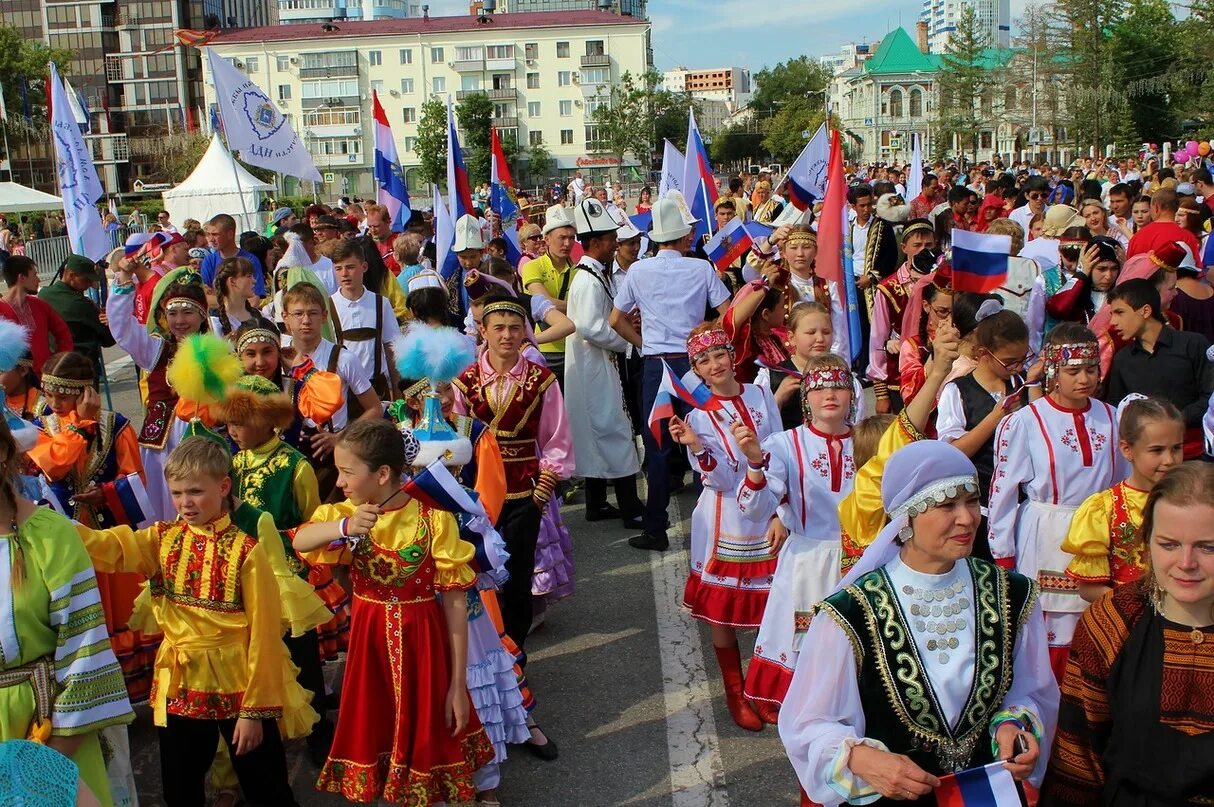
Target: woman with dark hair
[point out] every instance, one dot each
(645, 203)
(930, 307)
(1135, 725)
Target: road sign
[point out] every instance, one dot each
(329, 177)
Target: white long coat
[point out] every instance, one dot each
(603, 445)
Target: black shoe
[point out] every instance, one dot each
(319, 742)
(603, 513)
(547, 752)
(646, 541)
(634, 523)
(677, 484)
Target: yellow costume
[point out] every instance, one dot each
(1104, 537)
(214, 595)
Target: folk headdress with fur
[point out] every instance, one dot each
(259, 403)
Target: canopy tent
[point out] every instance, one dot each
(217, 185)
(16, 198)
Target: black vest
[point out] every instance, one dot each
(900, 706)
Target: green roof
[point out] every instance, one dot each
(898, 53)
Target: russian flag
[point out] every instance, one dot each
(729, 244)
(435, 487)
(690, 390)
(500, 183)
(128, 502)
(458, 189)
(806, 177)
(989, 786)
(833, 263)
(979, 261)
(699, 185)
(392, 192)
(447, 264)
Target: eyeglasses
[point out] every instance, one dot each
(1011, 365)
(942, 312)
(1035, 195)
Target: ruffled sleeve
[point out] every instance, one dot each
(1088, 540)
(302, 610)
(328, 555)
(453, 556)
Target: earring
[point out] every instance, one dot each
(1157, 594)
(905, 534)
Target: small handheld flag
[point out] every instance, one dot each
(696, 395)
(980, 261)
(989, 786)
(729, 244)
(831, 264)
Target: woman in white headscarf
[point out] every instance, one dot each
(924, 661)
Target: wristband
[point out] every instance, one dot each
(128, 288)
(343, 525)
(1024, 720)
(762, 463)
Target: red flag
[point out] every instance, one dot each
(829, 265)
(501, 171)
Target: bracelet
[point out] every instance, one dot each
(343, 525)
(762, 464)
(1023, 719)
(127, 288)
(699, 454)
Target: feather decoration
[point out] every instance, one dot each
(204, 368)
(14, 344)
(437, 354)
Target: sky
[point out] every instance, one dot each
(760, 33)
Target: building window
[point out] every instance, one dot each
(532, 50)
(592, 136)
(895, 103)
(377, 86)
(535, 138)
(284, 92)
(1009, 99)
(283, 63)
(566, 108)
(533, 109)
(375, 58)
(533, 81)
(501, 111)
(593, 77)
(566, 137)
(562, 51)
(986, 140)
(472, 54)
(916, 103)
(499, 52)
(563, 78)
(594, 103)
(251, 63)
(594, 47)
(410, 144)
(410, 114)
(406, 86)
(406, 56)
(436, 56)
(470, 83)
(438, 85)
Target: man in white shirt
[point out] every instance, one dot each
(365, 323)
(577, 188)
(1036, 192)
(166, 226)
(672, 292)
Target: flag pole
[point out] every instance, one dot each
(235, 165)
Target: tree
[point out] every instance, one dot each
(634, 115)
(1144, 46)
(23, 61)
(737, 143)
(431, 144)
(801, 78)
(177, 155)
(475, 115)
(784, 138)
(1078, 38)
(539, 163)
(966, 83)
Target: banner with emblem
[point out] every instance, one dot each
(254, 126)
(79, 184)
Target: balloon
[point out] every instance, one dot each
(1203, 149)
(1180, 156)
(1191, 147)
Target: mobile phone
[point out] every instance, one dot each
(1019, 746)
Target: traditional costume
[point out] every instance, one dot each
(918, 333)
(1136, 722)
(768, 211)
(1048, 460)
(1104, 540)
(889, 305)
(972, 638)
(808, 473)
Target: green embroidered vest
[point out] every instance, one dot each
(900, 705)
(268, 485)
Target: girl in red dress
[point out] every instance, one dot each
(406, 731)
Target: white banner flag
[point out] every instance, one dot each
(78, 182)
(672, 170)
(253, 125)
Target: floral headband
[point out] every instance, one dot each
(700, 343)
(827, 378)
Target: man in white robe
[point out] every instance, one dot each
(604, 448)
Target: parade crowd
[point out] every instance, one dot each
(987, 542)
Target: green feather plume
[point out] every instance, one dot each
(204, 368)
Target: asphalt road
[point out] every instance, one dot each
(626, 684)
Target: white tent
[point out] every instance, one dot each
(15, 198)
(213, 188)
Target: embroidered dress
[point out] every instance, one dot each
(1053, 458)
(214, 596)
(1136, 722)
(917, 664)
(54, 652)
(73, 454)
(808, 475)
(731, 563)
(392, 742)
(1104, 537)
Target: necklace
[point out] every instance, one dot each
(936, 612)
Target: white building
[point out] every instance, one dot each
(728, 84)
(543, 72)
(850, 56)
(941, 16)
(297, 11)
(632, 8)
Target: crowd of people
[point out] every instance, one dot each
(984, 540)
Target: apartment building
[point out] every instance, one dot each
(545, 73)
(318, 11)
(728, 84)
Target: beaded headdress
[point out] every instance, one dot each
(63, 386)
(1069, 354)
(257, 335)
(801, 237)
(826, 378)
(700, 343)
(506, 306)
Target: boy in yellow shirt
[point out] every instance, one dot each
(222, 669)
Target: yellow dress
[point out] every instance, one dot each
(215, 597)
(1104, 537)
(861, 514)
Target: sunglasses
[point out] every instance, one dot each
(1035, 195)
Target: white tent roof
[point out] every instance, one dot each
(213, 188)
(16, 198)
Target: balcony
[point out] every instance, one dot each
(462, 94)
(506, 94)
(468, 65)
(330, 71)
(505, 123)
(508, 63)
(337, 160)
(109, 148)
(596, 60)
(336, 101)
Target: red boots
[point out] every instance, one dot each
(768, 712)
(730, 662)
